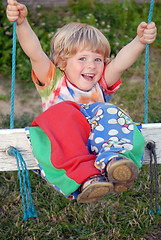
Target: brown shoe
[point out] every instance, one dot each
(122, 172)
(122, 186)
(94, 188)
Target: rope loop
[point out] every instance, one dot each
(151, 147)
(28, 207)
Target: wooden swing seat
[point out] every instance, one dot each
(17, 138)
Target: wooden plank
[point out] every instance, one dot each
(17, 138)
(152, 131)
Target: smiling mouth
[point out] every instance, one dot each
(88, 76)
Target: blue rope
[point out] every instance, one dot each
(13, 75)
(29, 210)
(147, 66)
(28, 207)
(146, 95)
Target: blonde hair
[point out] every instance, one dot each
(74, 37)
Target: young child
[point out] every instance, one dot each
(95, 148)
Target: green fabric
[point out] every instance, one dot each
(41, 146)
(138, 147)
(45, 92)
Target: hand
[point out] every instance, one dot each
(147, 32)
(16, 12)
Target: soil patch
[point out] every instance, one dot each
(29, 102)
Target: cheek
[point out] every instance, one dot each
(100, 69)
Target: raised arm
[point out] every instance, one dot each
(28, 39)
(146, 33)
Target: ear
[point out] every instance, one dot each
(61, 64)
(62, 69)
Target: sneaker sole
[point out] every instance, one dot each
(95, 192)
(122, 187)
(122, 171)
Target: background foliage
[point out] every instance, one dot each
(118, 21)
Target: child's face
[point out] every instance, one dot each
(84, 69)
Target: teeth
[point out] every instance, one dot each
(89, 74)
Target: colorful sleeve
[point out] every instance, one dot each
(111, 90)
(52, 77)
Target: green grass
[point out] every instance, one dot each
(122, 216)
(4, 97)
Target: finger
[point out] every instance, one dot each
(149, 41)
(12, 8)
(23, 10)
(150, 31)
(12, 13)
(142, 26)
(151, 25)
(12, 2)
(12, 17)
(149, 37)
(21, 7)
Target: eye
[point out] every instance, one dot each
(98, 60)
(82, 59)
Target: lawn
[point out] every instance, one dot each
(121, 216)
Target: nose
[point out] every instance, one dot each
(91, 64)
